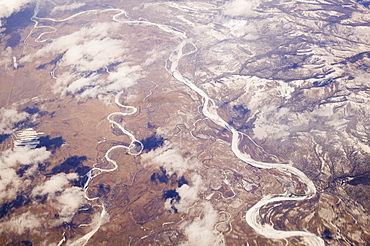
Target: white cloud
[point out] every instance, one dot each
(66, 7)
(124, 75)
(189, 193)
(8, 117)
(242, 28)
(201, 230)
(78, 84)
(6, 57)
(170, 159)
(70, 200)
(265, 127)
(240, 7)
(94, 54)
(65, 199)
(154, 55)
(9, 7)
(81, 42)
(87, 54)
(10, 182)
(22, 223)
(23, 155)
(67, 203)
(98, 31)
(54, 184)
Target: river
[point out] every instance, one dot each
(209, 109)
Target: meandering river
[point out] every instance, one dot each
(253, 214)
(209, 109)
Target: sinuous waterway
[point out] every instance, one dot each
(134, 148)
(210, 111)
(252, 216)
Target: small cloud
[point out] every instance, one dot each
(67, 7)
(241, 7)
(23, 155)
(67, 203)
(91, 55)
(22, 223)
(10, 117)
(93, 61)
(170, 159)
(17, 166)
(6, 57)
(201, 231)
(7, 8)
(242, 28)
(10, 182)
(171, 162)
(189, 193)
(54, 184)
(65, 199)
(154, 55)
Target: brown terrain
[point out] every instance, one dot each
(294, 83)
